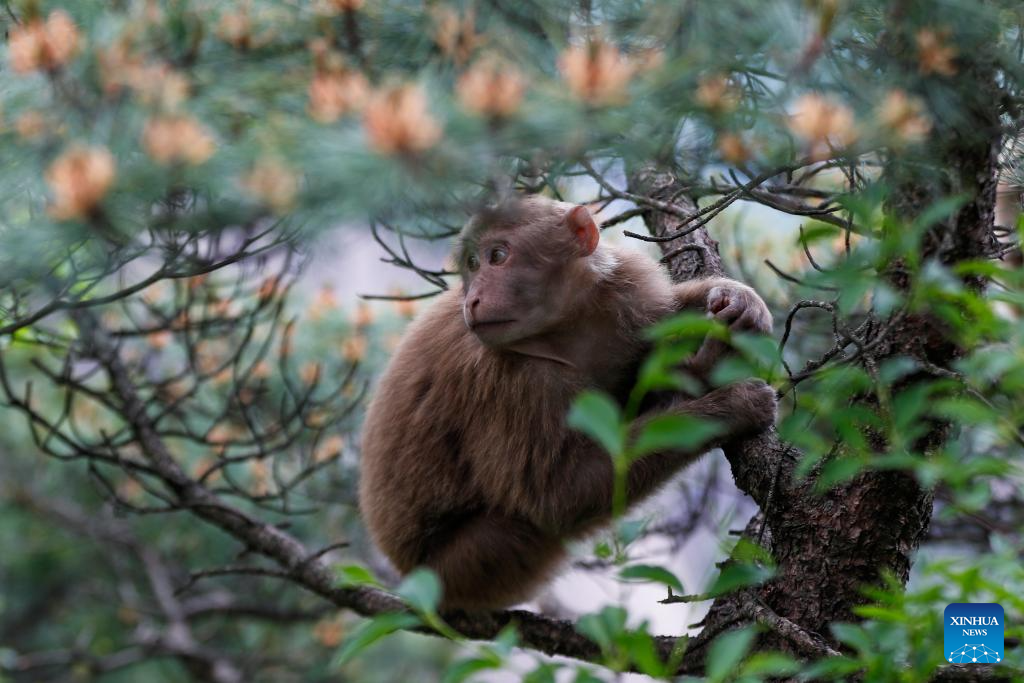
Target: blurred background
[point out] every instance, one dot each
(218, 217)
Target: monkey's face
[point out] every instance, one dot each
(518, 283)
(507, 291)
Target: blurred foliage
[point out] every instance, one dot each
(168, 166)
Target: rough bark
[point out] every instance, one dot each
(826, 546)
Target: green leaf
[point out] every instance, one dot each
(839, 470)
(462, 670)
(506, 639)
(747, 550)
(544, 673)
(879, 613)
(355, 575)
(660, 371)
(586, 676)
(639, 646)
(650, 572)
(596, 415)
(740, 575)
(758, 348)
(726, 653)
(963, 410)
(817, 232)
(770, 664)
(371, 631)
(853, 635)
(675, 432)
(628, 530)
(421, 590)
(691, 327)
(605, 627)
(938, 211)
(834, 667)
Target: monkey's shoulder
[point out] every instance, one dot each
(638, 287)
(437, 335)
(440, 358)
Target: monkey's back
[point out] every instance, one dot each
(451, 432)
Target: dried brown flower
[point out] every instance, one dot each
(222, 435)
(456, 35)
(397, 121)
(130, 489)
(596, 73)
(235, 28)
(31, 125)
(309, 372)
(38, 45)
(934, 54)
(904, 116)
(161, 86)
(822, 123)
(329, 632)
(353, 349)
(261, 370)
(156, 84)
(335, 93)
(260, 473)
(716, 94)
(405, 307)
(324, 301)
(159, 340)
(346, 5)
(273, 183)
(491, 88)
(177, 139)
(205, 467)
(119, 65)
(269, 289)
(329, 449)
(733, 149)
(363, 315)
(335, 89)
(79, 179)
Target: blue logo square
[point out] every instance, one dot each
(973, 633)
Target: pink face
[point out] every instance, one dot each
(514, 287)
(505, 290)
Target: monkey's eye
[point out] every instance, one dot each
(498, 256)
(472, 262)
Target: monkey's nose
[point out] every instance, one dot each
(469, 310)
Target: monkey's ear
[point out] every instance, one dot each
(584, 229)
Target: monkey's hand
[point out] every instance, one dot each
(739, 307)
(745, 407)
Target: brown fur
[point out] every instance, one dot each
(468, 465)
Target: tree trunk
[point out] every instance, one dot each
(828, 546)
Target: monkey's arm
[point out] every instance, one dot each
(577, 487)
(733, 303)
(694, 293)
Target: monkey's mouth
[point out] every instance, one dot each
(479, 325)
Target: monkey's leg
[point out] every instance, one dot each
(739, 408)
(586, 478)
(493, 561)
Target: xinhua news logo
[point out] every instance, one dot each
(973, 633)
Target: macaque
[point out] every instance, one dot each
(468, 465)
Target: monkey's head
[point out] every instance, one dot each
(523, 265)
